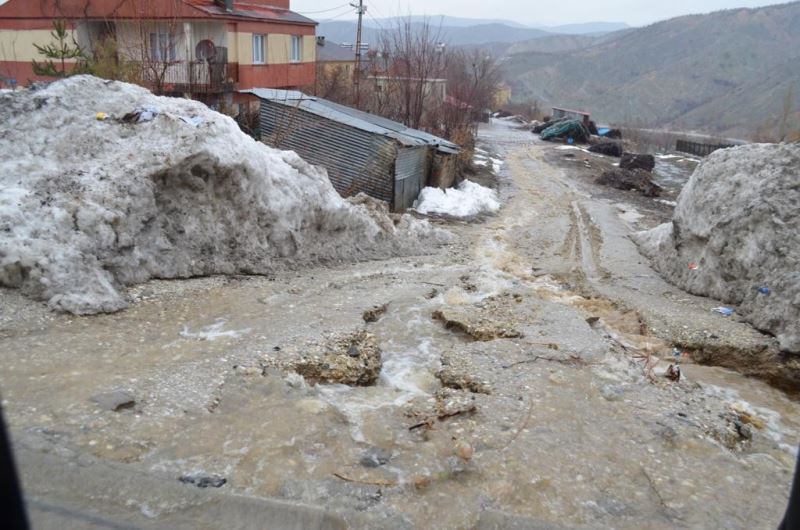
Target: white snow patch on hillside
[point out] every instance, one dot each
(467, 200)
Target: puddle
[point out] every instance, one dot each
(628, 213)
(213, 332)
(672, 171)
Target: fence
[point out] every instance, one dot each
(699, 149)
(193, 76)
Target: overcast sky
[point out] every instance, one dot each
(535, 12)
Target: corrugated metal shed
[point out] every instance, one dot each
(362, 152)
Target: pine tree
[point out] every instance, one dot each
(64, 48)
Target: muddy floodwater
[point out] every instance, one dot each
(522, 382)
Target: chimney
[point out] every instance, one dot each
(320, 40)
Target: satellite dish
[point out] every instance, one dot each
(205, 50)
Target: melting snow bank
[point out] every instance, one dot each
(88, 205)
(735, 236)
(482, 159)
(467, 200)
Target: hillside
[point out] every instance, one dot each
(345, 31)
(553, 44)
(725, 72)
(587, 28)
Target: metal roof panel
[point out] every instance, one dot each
(353, 117)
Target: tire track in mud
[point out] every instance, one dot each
(580, 249)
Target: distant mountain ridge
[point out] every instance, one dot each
(462, 22)
(460, 31)
(726, 72)
(340, 31)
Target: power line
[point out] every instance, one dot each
(340, 15)
(375, 20)
(325, 10)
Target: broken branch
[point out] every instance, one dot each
(366, 482)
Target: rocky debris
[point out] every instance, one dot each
(115, 400)
(735, 236)
(203, 481)
(457, 373)
(463, 450)
(88, 207)
(490, 319)
(446, 403)
(345, 358)
(375, 457)
(747, 417)
(607, 148)
(735, 434)
(624, 179)
(433, 293)
(634, 161)
(375, 313)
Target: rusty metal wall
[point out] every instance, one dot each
(410, 175)
(356, 160)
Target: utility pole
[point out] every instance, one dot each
(357, 74)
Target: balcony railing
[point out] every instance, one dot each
(192, 76)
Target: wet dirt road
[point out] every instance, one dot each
(537, 395)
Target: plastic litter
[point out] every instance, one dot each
(678, 353)
(141, 115)
(693, 266)
(673, 373)
(725, 311)
(101, 116)
(764, 290)
(192, 120)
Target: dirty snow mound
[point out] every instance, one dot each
(89, 205)
(735, 236)
(467, 200)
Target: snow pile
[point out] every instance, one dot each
(89, 203)
(735, 236)
(481, 158)
(468, 200)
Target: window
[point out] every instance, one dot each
(259, 49)
(162, 47)
(297, 48)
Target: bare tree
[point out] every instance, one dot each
(159, 42)
(412, 57)
(473, 79)
(333, 82)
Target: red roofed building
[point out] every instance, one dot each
(205, 48)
